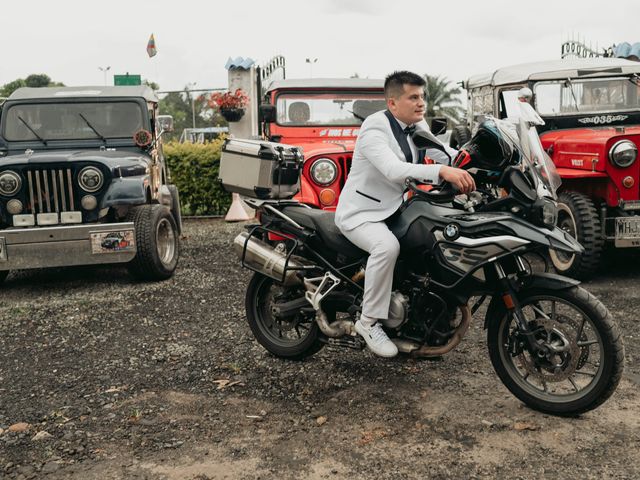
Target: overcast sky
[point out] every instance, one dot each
(70, 39)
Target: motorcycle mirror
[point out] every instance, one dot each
(438, 125)
(267, 113)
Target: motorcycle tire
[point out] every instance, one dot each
(264, 326)
(594, 327)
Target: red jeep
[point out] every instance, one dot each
(592, 112)
(323, 117)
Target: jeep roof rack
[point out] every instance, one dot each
(27, 93)
(554, 69)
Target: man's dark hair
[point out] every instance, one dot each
(394, 83)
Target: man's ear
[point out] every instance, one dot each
(391, 103)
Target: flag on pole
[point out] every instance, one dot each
(151, 46)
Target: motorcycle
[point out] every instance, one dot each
(553, 344)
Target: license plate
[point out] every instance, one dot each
(113, 242)
(627, 232)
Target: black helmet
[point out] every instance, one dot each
(488, 150)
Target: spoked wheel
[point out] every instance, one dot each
(585, 356)
(292, 337)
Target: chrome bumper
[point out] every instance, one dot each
(24, 248)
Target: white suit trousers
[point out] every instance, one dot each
(383, 248)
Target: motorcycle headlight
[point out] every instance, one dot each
(549, 213)
(10, 183)
(623, 153)
(90, 179)
(324, 171)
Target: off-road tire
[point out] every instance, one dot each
(256, 317)
(175, 206)
(612, 351)
(459, 136)
(157, 244)
(577, 215)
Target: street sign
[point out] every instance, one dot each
(127, 79)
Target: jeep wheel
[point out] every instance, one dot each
(578, 217)
(459, 136)
(156, 242)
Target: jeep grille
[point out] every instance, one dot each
(50, 190)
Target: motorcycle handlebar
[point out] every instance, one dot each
(444, 194)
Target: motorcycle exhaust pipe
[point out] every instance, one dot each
(265, 259)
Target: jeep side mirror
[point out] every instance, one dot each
(166, 123)
(267, 113)
(438, 125)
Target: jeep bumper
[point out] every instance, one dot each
(67, 246)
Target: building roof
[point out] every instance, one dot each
(337, 83)
(137, 91)
(555, 69)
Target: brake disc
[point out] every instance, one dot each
(562, 364)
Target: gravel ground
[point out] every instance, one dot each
(105, 378)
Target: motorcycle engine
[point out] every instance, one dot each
(398, 310)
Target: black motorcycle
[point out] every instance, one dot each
(553, 344)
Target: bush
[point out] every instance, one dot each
(194, 167)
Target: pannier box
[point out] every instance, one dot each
(260, 169)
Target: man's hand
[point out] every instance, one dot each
(461, 179)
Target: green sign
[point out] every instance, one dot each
(127, 79)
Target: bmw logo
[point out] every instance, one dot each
(451, 231)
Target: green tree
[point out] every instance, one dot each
(179, 106)
(442, 98)
(34, 80)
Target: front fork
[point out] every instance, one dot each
(526, 334)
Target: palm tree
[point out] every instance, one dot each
(442, 99)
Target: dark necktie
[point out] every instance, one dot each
(408, 130)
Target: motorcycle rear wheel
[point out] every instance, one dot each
(587, 366)
(293, 338)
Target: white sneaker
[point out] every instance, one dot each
(377, 340)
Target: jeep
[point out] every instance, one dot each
(591, 109)
(83, 181)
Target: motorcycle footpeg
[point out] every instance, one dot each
(355, 343)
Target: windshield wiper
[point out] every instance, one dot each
(569, 83)
(93, 128)
(32, 130)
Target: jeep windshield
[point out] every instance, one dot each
(319, 109)
(71, 121)
(574, 96)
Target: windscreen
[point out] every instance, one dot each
(573, 96)
(344, 109)
(72, 121)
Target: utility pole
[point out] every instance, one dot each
(104, 70)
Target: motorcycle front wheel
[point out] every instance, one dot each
(293, 337)
(586, 355)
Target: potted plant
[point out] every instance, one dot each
(231, 104)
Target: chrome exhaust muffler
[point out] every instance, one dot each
(265, 259)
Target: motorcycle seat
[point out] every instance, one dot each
(323, 223)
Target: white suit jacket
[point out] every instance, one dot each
(373, 191)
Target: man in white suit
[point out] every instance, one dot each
(384, 157)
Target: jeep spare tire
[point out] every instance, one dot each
(577, 216)
(157, 243)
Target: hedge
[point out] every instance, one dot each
(194, 167)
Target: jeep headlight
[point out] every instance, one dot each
(324, 171)
(90, 179)
(623, 153)
(10, 183)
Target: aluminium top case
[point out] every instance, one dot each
(260, 169)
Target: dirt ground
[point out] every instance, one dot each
(102, 377)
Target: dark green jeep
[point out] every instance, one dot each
(80, 166)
